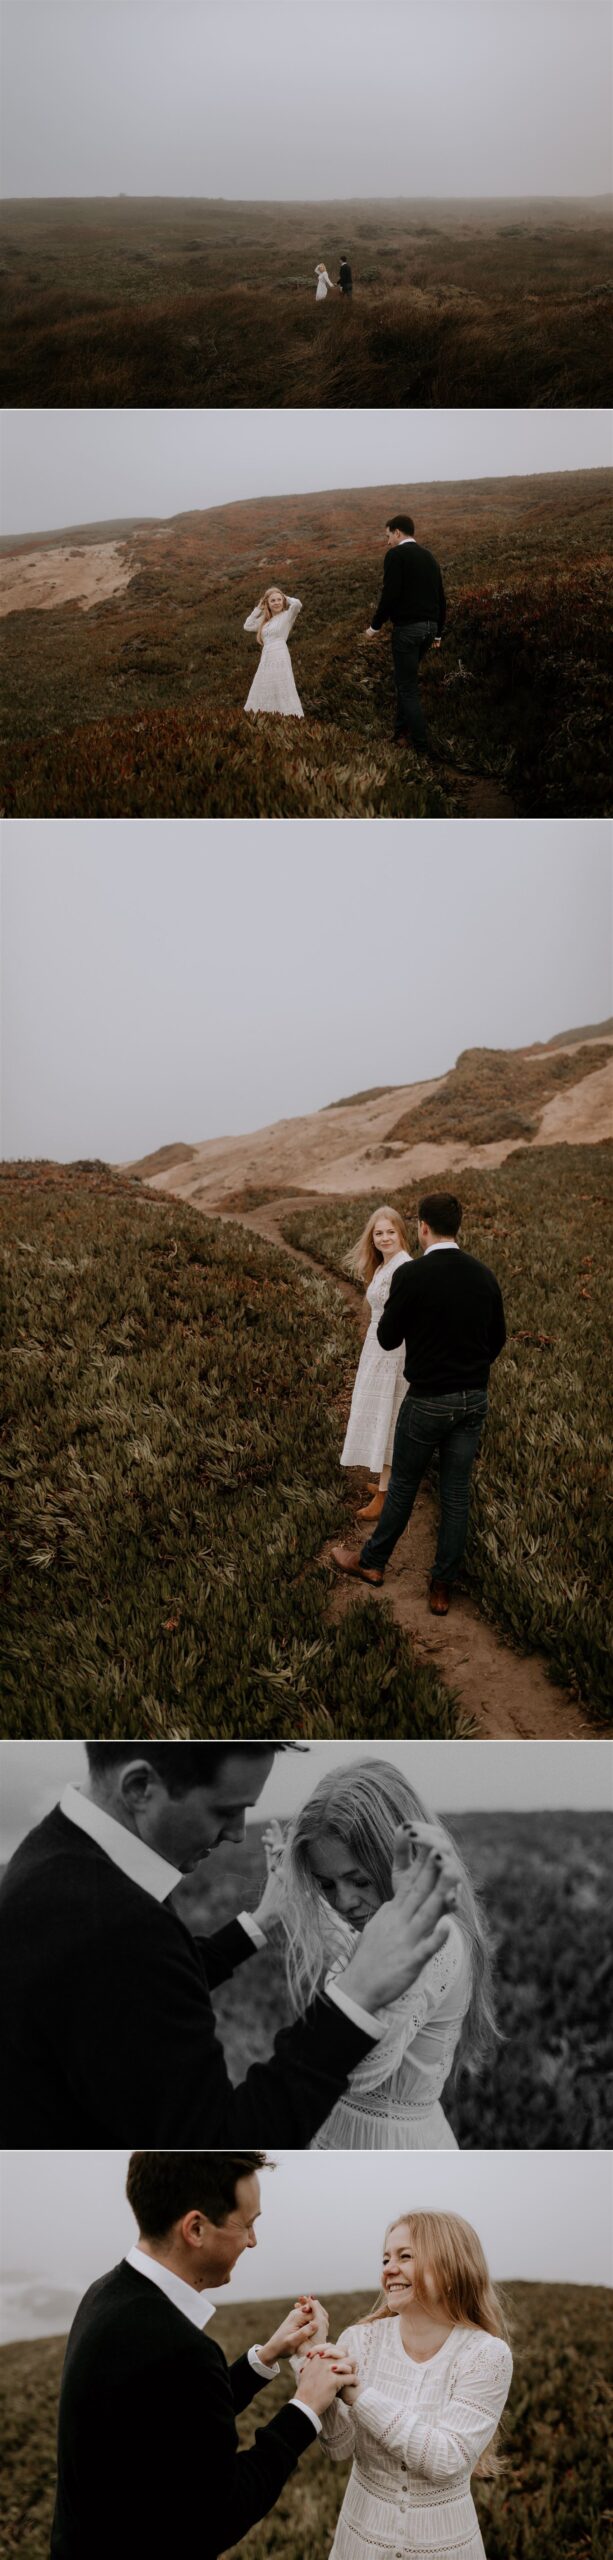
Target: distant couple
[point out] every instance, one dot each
(436, 1326)
(324, 281)
(412, 600)
(149, 2463)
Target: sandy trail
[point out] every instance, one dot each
(84, 574)
(503, 1692)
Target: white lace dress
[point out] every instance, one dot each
(392, 2099)
(324, 285)
(415, 2433)
(380, 1385)
(273, 687)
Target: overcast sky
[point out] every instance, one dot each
(85, 466)
(450, 1777)
(541, 2215)
(181, 979)
(328, 100)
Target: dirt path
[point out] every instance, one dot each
(504, 1693)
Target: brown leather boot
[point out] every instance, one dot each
(440, 1599)
(372, 1510)
(349, 1563)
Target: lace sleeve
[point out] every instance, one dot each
(445, 1979)
(251, 623)
(479, 2381)
(294, 608)
(338, 2422)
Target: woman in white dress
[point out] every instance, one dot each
(380, 1385)
(433, 2373)
(324, 283)
(273, 687)
(334, 1866)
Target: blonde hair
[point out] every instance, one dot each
(365, 1258)
(264, 609)
(365, 1807)
(451, 2249)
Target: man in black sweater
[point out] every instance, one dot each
(345, 277)
(149, 2466)
(413, 600)
(106, 2017)
(447, 1309)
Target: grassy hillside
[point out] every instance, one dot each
(135, 708)
(546, 1888)
(551, 2502)
(172, 1398)
(494, 1094)
(195, 304)
(537, 1553)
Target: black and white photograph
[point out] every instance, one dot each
(442, 2327)
(399, 1946)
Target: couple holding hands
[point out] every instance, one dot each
(148, 2451)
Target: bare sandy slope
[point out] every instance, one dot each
(346, 1151)
(36, 581)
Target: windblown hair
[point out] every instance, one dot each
(264, 609)
(448, 2247)
(365, 1259)
(365, 1808)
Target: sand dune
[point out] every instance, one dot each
(348, 1150)
(37, 581)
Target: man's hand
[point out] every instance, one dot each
(348, 2390)
(305, 2324)
(322, 2379)
(437, 644)
(272, 1899)
(401, 1937)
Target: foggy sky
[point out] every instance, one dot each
(86, 466)
(180, 979)
(541, 2215)
(334, 99)
(450, 1777)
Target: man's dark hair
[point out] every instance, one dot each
(163, 2185)
(400, 524)
(181, 1764)
(442, 1212)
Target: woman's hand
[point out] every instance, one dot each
(272, 1899)
(342, 2364)
(306, 2323)
(414, 1843)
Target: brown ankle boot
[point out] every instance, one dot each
(372, 1510)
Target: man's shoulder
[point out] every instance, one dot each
(479, 1267)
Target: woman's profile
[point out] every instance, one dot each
(273, 687)
(331, 1870)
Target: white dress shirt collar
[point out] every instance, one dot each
(444, 1244)
(143, 1865)
(196, 2306)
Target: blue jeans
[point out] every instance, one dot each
(409, 643)
(452, 1424)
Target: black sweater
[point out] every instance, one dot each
(413, 589)
(108, 2033)
(148, 2460)
(447, 1309)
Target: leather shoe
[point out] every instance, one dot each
(349, 1563)
(440, 1599)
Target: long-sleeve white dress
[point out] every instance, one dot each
(380, 1385)
(273, 687)
(415, 2433)
(324, 284)
(392, 2099)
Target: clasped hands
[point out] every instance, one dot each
(325, 2373)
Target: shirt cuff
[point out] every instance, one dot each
(252, 1927)
(361, 2018)
(307, 2413)
(268, 2371)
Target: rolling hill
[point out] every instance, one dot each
(124, 681)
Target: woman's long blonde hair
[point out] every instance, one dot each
(365, 1259)
(264, 609)
(365, 1807)
(451, 2250)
